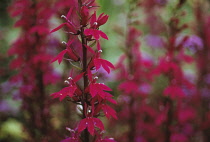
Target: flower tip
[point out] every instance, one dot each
(67, 82)
(63, 16)
(63, 42)
(70, 78)
(96, 77)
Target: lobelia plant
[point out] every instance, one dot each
(202, 52)
(160, 115)
(176, 99)
(135, 76)
(34, 73)
(83, 89)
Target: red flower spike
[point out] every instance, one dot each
(104, 63)
(90, 123)
(59, 57)
(78, 24)
(67, 91)
(95, 33)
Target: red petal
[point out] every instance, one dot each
(90, 125)
(89, 74)
(93, 19)
(58, 95)
(102, 19)
(78, 77)
(103, 35)
(97, 63)
(72, 55)
(88, 32)
(96, 34)
(105, 67)
(100, 16)
(69, 13)
(82, 125)
(111, 100)
(108, 111)
(104, 87)
(89, 48)
(67, 91)
(98, 123)
(70, 42)
(58, 28)
(59, 57)
(108, 63)
(93, 90)
(98, 45)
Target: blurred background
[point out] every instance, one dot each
(161, 49)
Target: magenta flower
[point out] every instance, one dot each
(95, 33)
(90, 123)
(83, 28)
(95, 23)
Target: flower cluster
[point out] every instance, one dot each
(162, 112)
(203, 62)
(31, 62)
(83, 89)
(135, 76)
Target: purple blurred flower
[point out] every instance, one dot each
(6, 107)
(207, 78)
(193, 43)
(205, 93)
(188, 129)
(7, 86)
(139, 139)
(145, 88)
(103, 76)
(154, 41)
